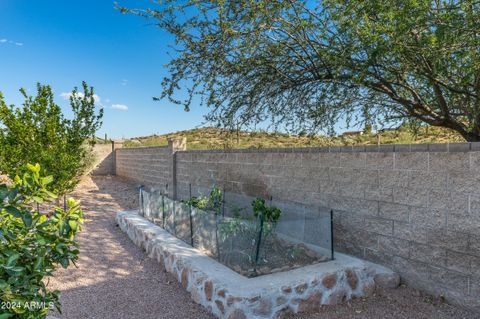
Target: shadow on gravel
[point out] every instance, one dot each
(115, 279)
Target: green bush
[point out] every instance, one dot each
(213, 202)
(33, 244)
(270, 214)
(38, 132)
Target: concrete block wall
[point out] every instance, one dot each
(104, 158)
(104, 161)
(414, 208)
(151, 166)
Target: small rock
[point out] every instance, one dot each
(263, 270)
(285, 313)
(264, 308)
(185, 278)
(352, 278)
(368, 289)
(237, 314)
(301, 288)
(336, 297)
(329, 280)
(287, 289)
(387, 280)
(221, 293)
(220, 306)
(208, 287)
(312, 303)
(237, 268)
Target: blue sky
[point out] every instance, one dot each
(62, 43)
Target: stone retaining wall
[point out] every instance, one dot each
(414, 208)
(229, 295)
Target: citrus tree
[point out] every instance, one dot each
(38, 132)
(33, 244)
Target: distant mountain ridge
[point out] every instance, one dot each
(215, 138)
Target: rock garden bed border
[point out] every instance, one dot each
(227, 294)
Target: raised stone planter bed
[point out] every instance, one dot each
(229, 295)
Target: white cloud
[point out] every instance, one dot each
(3, 40)
(96, 98)
(121, 107)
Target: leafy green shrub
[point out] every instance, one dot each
(33, 244)
(270, 214)
(212, 202)
(38, 132)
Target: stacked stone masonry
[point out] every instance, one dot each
(231, 296)
(413, 208)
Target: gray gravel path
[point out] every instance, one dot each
(115, 279)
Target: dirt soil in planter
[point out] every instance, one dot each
(238, 252)
(276, 255)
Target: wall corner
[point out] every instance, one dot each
(115, 145)
(176, 144)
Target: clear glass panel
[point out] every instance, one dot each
(306, 241)
(205, 231)
(146, 205)
(248, 245)
(156, 207)
(182, 222)
(169, 213)
(238, 238)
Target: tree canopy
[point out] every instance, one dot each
(305, 64)
(38, 132)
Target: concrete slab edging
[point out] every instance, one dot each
(228, 294)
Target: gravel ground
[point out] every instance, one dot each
(400, 303)
(116, 280)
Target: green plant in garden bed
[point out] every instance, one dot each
(235, 225)
(33, 245)
(213, 202)
(251, 231)
(270, 214)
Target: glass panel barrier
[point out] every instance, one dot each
(251, 246)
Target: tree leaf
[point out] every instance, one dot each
(13, 211)
(11, 261)
(73, 225)
(27, 219)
